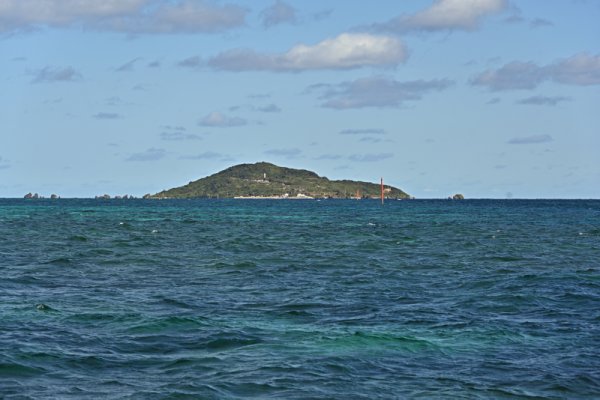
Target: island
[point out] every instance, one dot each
(264, 180)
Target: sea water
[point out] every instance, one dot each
(336, 299)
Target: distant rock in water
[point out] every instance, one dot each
(458, 196)
(28, 196)
(54, 196)
(265, 180)
(42, 307)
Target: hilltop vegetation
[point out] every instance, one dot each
(268, 180)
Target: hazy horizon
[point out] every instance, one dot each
(489, 98)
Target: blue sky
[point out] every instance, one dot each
(490, 98)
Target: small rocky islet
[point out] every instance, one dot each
(266, 180)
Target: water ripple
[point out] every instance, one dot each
(331, 299)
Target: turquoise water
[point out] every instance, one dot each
(334, 299)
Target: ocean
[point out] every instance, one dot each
(305, 299)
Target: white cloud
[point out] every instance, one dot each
(368, 131)
(543, 100)
(128, 66)
(219, 120)
(105, 115)
(52, 74)
(113, 101)
(346, 51)
(195, 16)
(534, 139)
(271, 108)
(328, 157)
(268, 108)
(131, 16)
(378, 92)
(191, 62)
(581, 69)
(446, 15)
(279, 13)
(370, 157)
(177, 133)
(259, 96)
(179, 136)
(208, 155)
(369, 139)
(540, 23)
(27, 13)
(287, 153)
(152, 154)
(514, 75)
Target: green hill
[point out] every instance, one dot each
(268, 180)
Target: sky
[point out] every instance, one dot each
(488, 98)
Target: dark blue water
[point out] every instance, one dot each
(299, 299)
